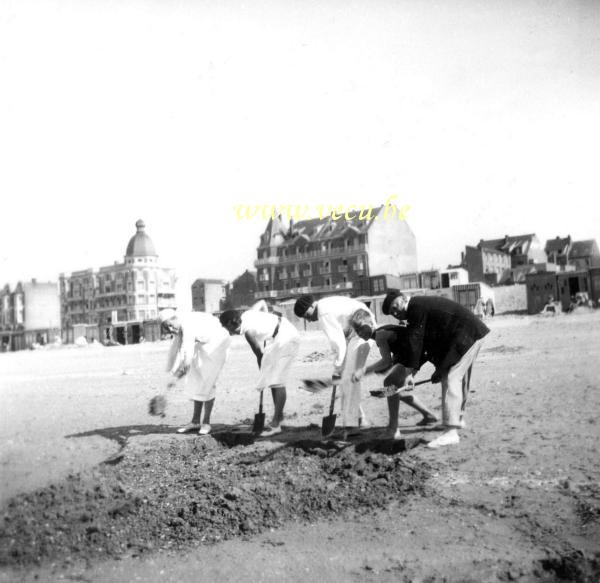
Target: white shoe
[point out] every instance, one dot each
(449, 438)
(189, 428)
(364, 423)
(271, 431)
(204, 429)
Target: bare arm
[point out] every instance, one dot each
(386, 360)
(255, 346)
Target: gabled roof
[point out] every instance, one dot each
(508, 243)
(586, 248)
(317, 229)
(560, 244)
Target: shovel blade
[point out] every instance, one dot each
(259, 423)
(328, 425)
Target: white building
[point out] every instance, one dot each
(119, 298)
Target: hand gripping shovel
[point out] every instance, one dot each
(391, 391)
(259, 418)
(328, 424)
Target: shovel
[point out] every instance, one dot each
(259, 418)
(328, 424)
(386, 392)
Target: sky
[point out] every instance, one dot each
(482, 115)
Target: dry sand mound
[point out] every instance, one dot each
(178, 492)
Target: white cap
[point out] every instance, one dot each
(166, 314)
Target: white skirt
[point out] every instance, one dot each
(207, 362)
(278, 356)
(356, 357)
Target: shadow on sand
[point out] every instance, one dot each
(307, 438)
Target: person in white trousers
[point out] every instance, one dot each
(334, 315)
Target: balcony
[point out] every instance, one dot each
(264, 277)
(264, 261)
(283, 276)
(324, 270)
(344, 286)
(339, 252)
(342, 269)
(268, 294)
(307, 273)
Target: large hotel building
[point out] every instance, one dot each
(119, 302)
(350, 256)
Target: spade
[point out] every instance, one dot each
(259, 418)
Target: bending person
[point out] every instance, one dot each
(392, 342)
(199, 350)
(275, 343)
(334, 315)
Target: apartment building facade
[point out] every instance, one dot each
(325, 256)
(115, 300)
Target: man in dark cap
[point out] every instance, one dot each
(451, 336)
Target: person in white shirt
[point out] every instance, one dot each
(275, 343)
(199, 350)
(334, 315)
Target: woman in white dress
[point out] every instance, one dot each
(275, 343)
(199, 350)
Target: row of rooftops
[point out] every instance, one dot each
(279, 231)
(558, 245)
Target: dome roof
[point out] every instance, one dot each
(140, 245)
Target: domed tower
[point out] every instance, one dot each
(140, 248)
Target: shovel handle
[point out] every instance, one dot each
(260, 403)
(332, 404)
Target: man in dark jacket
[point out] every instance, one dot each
(451, 336)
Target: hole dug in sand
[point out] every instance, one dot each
(177, 493)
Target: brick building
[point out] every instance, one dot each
(584, 254)
(240, 293)
(563, 251)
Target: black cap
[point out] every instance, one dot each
(229, 316)
(391, 296)
(302, 304)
